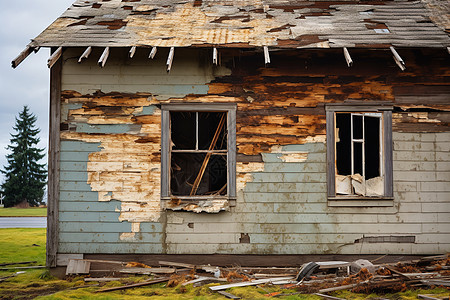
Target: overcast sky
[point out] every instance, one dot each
(28, 84)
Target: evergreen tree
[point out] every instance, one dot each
(25, 178)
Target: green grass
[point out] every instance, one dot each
(23, 212)
(22, 244)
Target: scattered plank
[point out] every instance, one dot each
(338, 288)
(105, 261)
(147, 271)
(18, 263)
(78, 266)
(397, 273)
(247, 283)
(23, 268)
(328, 297)
(228, 295)
(159, 280)
(176, 264)
(426, 297)
(105, 279)
(436, 282)
(204, 278)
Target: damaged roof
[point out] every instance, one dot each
(250, 23)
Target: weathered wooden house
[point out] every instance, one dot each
(248, 128)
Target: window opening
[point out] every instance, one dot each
(359, 154)
(199, 153)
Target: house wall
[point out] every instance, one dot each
(110, 153)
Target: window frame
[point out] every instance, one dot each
(386, 138)
(166, 150)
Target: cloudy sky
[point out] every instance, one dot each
(28, 84)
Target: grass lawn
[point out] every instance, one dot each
(23, 212)
(24, 244)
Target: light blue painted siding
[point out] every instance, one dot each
(87, 225)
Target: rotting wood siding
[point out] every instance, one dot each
(281, 162)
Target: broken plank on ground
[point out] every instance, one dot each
(228, 295)
(78, 266)
(159, 280)
(248, 283)
(176, 264)
(147, 271)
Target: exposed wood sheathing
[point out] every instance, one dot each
(281, 164)
(275, 23)
(127, 168)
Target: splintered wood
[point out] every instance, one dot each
(326, 277)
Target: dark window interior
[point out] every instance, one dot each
(192, 135)
(371, 147)
(343, 147)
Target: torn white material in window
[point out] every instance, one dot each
(359, 154)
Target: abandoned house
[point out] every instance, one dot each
(275, 127)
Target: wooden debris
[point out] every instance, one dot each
(427, 297)
(176, 264)
(78, 266)
(103, 279)
(328, 297)
(228, 295)
(147, 271)
(204, 278)
(54, 57)
(159, 280)
(23, 268)
(18, 263)
(21, 57)
(436, 282)
(247, 283)
(338, 288)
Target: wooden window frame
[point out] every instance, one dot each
(230, 109)
(387, 159)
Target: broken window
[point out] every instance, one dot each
(361, 148)
(198, 151)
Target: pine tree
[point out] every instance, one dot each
(25, 178)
